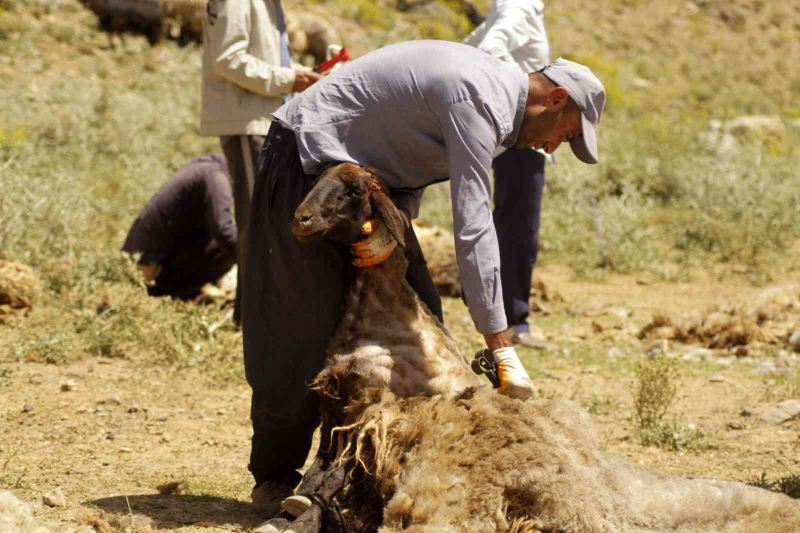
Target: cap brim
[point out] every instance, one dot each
(585, 145)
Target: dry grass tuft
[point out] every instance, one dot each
(19, 288)
(96, 521)
(173, 488)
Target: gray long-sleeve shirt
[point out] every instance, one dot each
(422, 112)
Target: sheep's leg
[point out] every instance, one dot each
(313, 477)
(331, 481)
(308, 522)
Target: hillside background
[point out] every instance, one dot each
(667, 198)
(697, 198)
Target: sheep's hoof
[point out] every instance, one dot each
(296, 505)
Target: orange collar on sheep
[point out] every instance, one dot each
(376, 247)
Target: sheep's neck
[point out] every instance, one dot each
(378, 291)
(388, 327)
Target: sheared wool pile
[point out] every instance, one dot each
(769, 321)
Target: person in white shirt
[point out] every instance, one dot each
(514, 32)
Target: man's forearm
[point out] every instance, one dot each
(498, 340)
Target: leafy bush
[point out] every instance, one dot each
(655, 391)
(654, 394)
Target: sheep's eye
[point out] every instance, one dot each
(355, 193)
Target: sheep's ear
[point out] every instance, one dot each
(390, 215)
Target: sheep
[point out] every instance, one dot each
(388, 340)
(144, 17)
(411, 439)
(310, 34)
(185, 19)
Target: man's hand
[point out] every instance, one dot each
(303, 79)
(514, 380)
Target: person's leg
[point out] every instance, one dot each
(519, 181)
(291, 306)
(241, 154)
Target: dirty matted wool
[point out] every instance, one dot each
(17, 515)
(484, 462)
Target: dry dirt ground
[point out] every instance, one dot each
(109, 432)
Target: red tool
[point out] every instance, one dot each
(343, 55)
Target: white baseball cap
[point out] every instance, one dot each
(589, 94)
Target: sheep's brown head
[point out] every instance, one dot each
(344, 197)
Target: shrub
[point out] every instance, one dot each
(789, 484)
(654, 394)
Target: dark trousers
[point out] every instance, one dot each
(189, 267)
(519, 180)
(291, 305)
(241, 154)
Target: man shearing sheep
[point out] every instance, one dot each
(514, 32)
(419, 113)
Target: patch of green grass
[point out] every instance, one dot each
(55, 345)
(370, 14)
(435, 29)
(792, 384)
(655, 392)
(598, 405)
(105, 313)
(87, 137)
(78, 160)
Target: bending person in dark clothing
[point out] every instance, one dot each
(185, 235)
